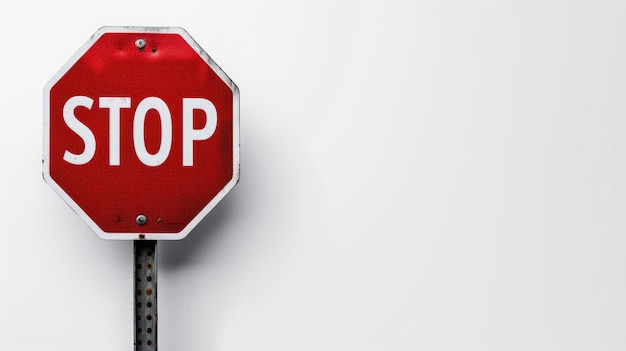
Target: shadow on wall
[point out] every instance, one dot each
(177, 254)
(205, 237)
(264, 190)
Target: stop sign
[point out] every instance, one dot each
(141, 133)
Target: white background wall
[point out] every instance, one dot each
(416, 175)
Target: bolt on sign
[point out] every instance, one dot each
(141, 133)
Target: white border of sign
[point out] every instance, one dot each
(46, 135)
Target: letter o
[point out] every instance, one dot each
(147, 104)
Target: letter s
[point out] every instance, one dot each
(79, 128)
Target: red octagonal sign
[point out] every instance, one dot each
(141, 133)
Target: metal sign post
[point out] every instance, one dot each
(145, 295)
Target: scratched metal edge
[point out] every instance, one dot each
(46, 131)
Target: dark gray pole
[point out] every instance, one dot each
(145, 295)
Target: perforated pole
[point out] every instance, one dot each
(145, 295)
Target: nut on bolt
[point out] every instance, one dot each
(141, 219)
(140, 43)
